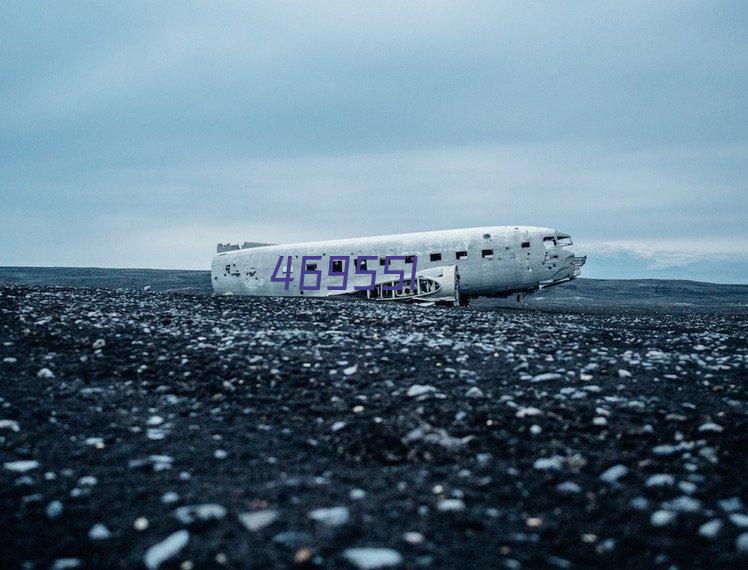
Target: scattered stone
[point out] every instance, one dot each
(554, 463)
(98, 343)
(67, 564)
(372, 558)
(474, 393)
(660, 480)
(9, 424)
(203, 513)
(613, 474)
(419, 390)
(741, 543)
(710, 529)
(450, 505)
(710, 427)
(21, 466)
(99, 532)
(54, 510)
(546, 377)
(332, 516)
(568, 488)
(258, 520)
(166, 549)
(45, 373)
(662, 518)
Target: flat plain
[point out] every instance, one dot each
(172, 430)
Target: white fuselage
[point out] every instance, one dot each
(491, 261)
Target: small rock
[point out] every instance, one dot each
(258, 520)
(730, 505)
(99, 532)
(413, 537)
(99, 343)
(683, 504)
(554, 463)
(450, 505)
(740, 521)
(155, 421)
(54, 510)
(613, 474)
(622, 373)
(333, 516)
(350, 370)
(45, 373)
(220, 454)
(529, 411)
(337, 426)
(10, 360)
(546, 377)
(710, 427)
(372, 558)
(12, 425)
(741, 543)
(568, 488)
(203, 513)
(662, 518)
(710, 529)
(474, 392)
(169, 498)
(66, 564)
(660, 480)
(419, 390)
(535, 429)
(166, 549)
(357, 494)
(21, 466)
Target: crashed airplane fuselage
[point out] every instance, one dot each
(450, 266)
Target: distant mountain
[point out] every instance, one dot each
(583, 293)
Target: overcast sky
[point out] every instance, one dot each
(140, 134)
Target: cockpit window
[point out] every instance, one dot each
(549, 242)
(564, 241)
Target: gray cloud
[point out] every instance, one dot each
(128, 132)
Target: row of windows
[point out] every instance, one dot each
(337, 265)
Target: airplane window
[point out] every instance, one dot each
(362, 263)
(487, 253)
(381, 261)
(436, 257)
(525, 244)
(408, 259)
(461, 255)
(337, 265)
(549, 242)
(311, 266)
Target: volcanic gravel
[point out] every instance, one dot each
(165, 430)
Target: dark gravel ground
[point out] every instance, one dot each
(302, 430)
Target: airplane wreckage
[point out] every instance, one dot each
(450, 266)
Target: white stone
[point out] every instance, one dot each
(546, 377)
(554, 463)
(413, 537)
(739, 520)
(10, 360)
(450, 505)
(710, 427)
(660, 480)
(683, 504)
(350, 370)
(155, 421)
(99, 532)
(613, 474)
(710, 529)
(45, 373)
(419, 390)
(54, 510)
(99, 343)
(169, 498)
(9, 424)
(258, 520)
(166, 549)
(331, 516)
(474, 392)
(21, 466)
(369, 558)
(529, 411)
(207, 512)
(741, 543)
(662, 518)
(568, 488)
(622, 373)
(337, 426)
